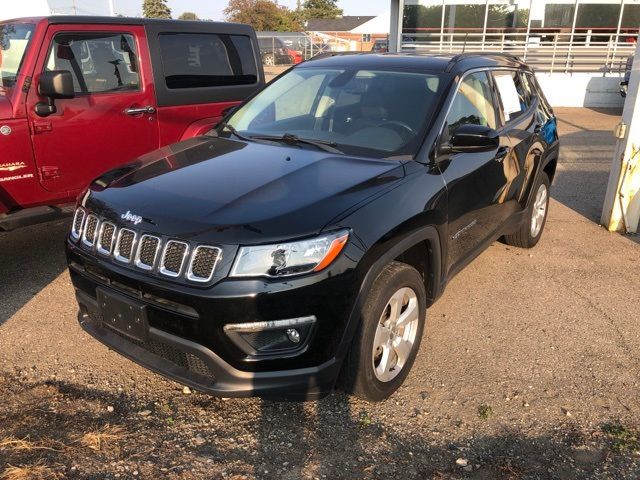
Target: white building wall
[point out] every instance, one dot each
(581, 90)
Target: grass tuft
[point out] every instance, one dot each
(101, 439)
(29, 472)
(623, 439)
(23, 445)
(484, 411)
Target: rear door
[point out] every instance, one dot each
(520, 127)
(200, 70)
(112, 118)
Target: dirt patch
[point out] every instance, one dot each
(52, 429)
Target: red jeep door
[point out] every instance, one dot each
(112, 118)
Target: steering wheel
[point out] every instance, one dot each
(402, 128)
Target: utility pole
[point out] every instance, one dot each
(112, 8)
(75, 8)
(621, 211)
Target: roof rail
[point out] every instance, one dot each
(322, 55)
(462, 56)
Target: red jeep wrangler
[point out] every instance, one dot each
(81, 95)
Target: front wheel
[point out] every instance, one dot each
(388, 338)
(535, 219)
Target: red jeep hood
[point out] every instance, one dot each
(5, 108)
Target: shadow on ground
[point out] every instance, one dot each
(30, 259)
(68, 430)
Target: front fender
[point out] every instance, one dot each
(428, 234)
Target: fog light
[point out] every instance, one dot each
(293, 335)
(273, 337)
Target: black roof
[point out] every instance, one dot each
(415, 61)
(338, 24)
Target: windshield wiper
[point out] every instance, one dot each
(233, 131)
(291, 139)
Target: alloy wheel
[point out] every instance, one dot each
(395, 334)
(539, 210)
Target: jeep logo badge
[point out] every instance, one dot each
(130, 217)
(5, 130)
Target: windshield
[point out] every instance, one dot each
(14, 40)
(362, 112)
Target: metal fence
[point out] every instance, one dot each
(289, 48)
(546, 52)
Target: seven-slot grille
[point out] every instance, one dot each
(176, 259)
(106, 238)
(90, 231)
(147, 252)
(124, 245)
(203, 263)
(173, 258)
(78, 220)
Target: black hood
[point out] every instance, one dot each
(234, 192)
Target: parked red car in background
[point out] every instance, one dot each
(82, 95)
(296, 57)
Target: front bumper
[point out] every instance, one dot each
(186, 339)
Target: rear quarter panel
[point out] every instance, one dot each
(178, 123)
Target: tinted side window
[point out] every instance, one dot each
(98, 62)
(473, 103)
(199, 60)
(513, 98)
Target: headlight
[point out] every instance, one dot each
(293, 258)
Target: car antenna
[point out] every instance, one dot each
(464, 45)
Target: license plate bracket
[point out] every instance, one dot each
(123, 314)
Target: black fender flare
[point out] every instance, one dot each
(427, 233)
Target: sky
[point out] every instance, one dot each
(211, 9)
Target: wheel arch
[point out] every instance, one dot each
(407, 248)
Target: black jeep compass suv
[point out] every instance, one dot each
(301, 241)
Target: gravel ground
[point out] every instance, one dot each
(528, 368)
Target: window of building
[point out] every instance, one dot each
(197, 60)
(507, 15)
(473, 103)
(598, 15)
(98, 62)
(464, 16)
(631, 16)
(421, 17)
(558, 15)
(366, 37)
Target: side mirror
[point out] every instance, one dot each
(54, 85)
(470, 138)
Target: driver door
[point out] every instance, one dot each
(110, 121)
(475, 181)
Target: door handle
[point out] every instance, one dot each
(502, 153)
(140, 110)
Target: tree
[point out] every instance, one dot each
(263, 15)
(320, 9)
(188, 16)
(156, 9)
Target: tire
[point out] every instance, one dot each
(363, 371)
(269, 59)
(528, 235)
